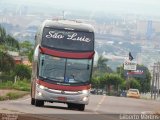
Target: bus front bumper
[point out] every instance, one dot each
(51, 95)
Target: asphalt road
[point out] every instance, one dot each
(101, 107)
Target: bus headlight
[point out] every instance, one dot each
(41, 87)
(85, 91)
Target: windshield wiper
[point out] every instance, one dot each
(58, 68)
(53, 78)
(73, 68)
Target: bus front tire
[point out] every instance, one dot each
(32, 101)
(39, 103)
(80, 107)
(70, 106)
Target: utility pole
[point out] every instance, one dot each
(158, 87)
(155, 88)
(152, 83)
(155, 81)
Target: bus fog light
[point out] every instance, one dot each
(39, 93)
(85, 99)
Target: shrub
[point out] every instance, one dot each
(23, 71)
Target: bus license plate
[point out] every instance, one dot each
(62, 98)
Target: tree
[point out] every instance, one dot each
(7, 42)
(26, 49)
(30, 55)
(112, 80)
(142, 82)
(101, 67)
(95, 81)
(133, 83)
(22, 71)
(120, 71)
(6, 62)
(130, 83)
(98, 83)
(145, 81)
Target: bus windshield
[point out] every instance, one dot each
(64, 70)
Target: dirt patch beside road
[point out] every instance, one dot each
(9, 94)
(4, 92)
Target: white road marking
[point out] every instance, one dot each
(99, 104)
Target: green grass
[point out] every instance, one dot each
(3, 98)
(6, 85)
(22, 85)
(13, 95)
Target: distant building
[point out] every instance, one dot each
(149, 31)
(148, 27)
(19, 59)
(25, 61)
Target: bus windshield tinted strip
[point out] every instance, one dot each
(68, 40)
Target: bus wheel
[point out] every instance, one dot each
(32, 101)
(70, 105)
(81, 107)
(39, 103)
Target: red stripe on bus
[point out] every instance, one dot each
(63, 87)
(73, 55)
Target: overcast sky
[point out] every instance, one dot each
(151, 7)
